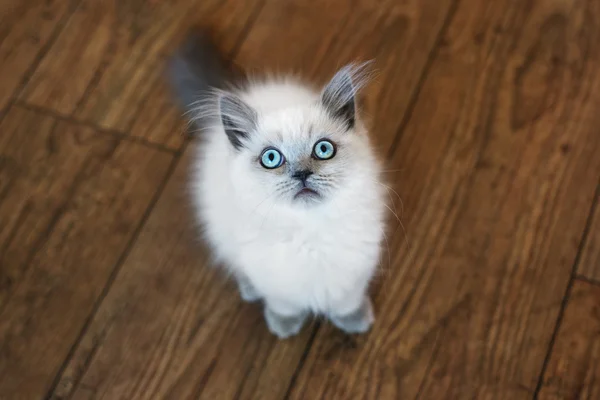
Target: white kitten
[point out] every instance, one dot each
(286, 186)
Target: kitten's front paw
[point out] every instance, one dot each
(283, 326)
(247, 292)
(359, 321)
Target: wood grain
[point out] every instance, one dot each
(589, 265)
(107, 65)
(70, 200)
(499, 165)
(573, 370)
(26, 29)
(173, 327)
(315, 38)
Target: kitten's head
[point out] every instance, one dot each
(296, 147)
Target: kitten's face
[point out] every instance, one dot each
(302, 149)
(300, 157)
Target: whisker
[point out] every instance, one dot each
(397, 195)
(401, 225)
(391, 198)
(393, 213)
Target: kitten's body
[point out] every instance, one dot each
(297, 252)
(317, 258)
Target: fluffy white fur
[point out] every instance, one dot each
(298, 255)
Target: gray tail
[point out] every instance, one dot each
(195, 68)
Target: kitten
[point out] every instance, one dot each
(286, 185)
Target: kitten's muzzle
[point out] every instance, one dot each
(305, 191)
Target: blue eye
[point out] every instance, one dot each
(271, 158)
(324, 150)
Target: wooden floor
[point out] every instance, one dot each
(488, 113)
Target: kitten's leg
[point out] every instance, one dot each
(247, 291)
(357, 321)
(284, 321)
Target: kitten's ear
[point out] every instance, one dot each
(237, 117)
(339, 96)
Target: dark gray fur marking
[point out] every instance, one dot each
(238, 118)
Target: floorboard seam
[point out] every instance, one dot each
(412, 102)
(111, 132)
(39, 57)
(566, 297)
(588, 280)
(300, 365)
(115, 271)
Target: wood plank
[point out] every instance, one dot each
(107, 65)
(70, 201)
(315, 38)
(27, 27)
(498, 164)
(190, 336)
(573, 370)
(589, 265)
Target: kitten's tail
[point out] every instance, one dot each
(195, 70)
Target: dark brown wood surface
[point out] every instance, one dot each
(487, 113)
(71, 200)
(573, 371)
(107, 64)
(27, 28)
(589, 265)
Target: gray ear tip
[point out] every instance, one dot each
(231, 102)
(227, 101)
(236, 110)
(348, 82)
(359, 73)
(359, 65)
(224, 98)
